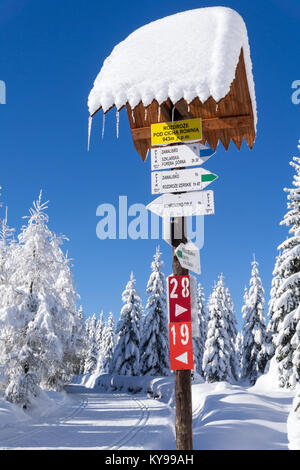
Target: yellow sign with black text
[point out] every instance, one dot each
(177, 131)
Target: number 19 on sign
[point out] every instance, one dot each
(181, 346)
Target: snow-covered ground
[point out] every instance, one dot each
(225, 417)
(234, 417)
(293, 423)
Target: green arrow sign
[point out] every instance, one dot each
(209, 177)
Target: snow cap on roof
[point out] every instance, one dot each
(187, 55)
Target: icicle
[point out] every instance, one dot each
(146, 114)
(132, 115)
(173, 110)
(89, 132)
(159, 113)
(117, 123)
(103, 125)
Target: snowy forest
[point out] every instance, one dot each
(46, 339)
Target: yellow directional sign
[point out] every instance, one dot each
(177, 131)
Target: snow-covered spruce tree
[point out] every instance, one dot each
(199, 341)
(287, 307)
(7, 294)
(92, 347)
(154, 348)
(43, 316)
(99, 332)
(108, 344)
(239, 349)
(218, 346)
(80, 343)
(6, 246)
(126, 358)
(273, 313)
(69, 324)
(23, 389)
(254, 329)
(232, 331)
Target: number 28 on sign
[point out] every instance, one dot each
(179, 298)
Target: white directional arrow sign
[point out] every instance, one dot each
(179, 310)
(183, 205)
(188, 255)
(183, 358)
(177, 156)
(175, 181)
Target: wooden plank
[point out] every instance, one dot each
(238, 141)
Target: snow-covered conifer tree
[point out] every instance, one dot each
(42, 317)
(199, 341)
(92, 349)
(254, 329)
(154, 342)
(232, 331)
(126, 358)
(239, 351)
(273, 313)
(22, 388)
(80, 343)
(99, 332)
(108, 343)
(8, 296)
(218, 346)
(287, 306)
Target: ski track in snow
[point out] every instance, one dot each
(141, 423)
(97, 421)
(224, 417)
(25, 434)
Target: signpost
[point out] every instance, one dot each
(182, 197)
(175, 156)
(231, 116)
(183, 205)
(174, 181)
(188, 130)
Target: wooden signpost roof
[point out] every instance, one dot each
(230, 118)
(224, 98)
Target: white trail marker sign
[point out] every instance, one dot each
(176, 181)
(183, 205)
(188, 255)
(163, 158)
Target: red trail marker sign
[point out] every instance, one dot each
(181, 346)
(179, 297)
(180, 326)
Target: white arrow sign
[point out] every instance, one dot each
(191, 179)
(177, 156)
(188, 255)
(183, 205)
(182, 358)
(179, 310)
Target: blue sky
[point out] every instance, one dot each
(50, 54)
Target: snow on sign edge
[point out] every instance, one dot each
(202, 55)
